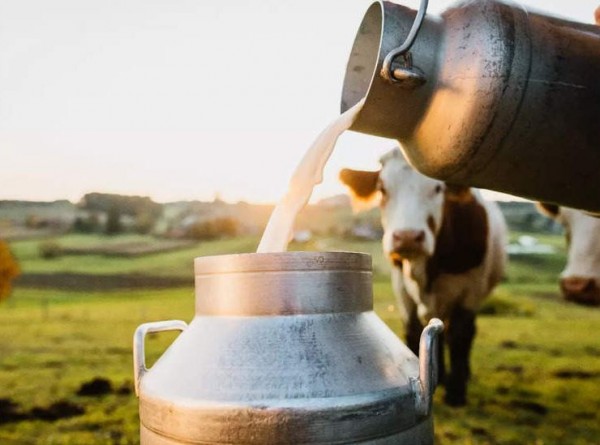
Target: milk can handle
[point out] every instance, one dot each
(408, 74)
(428, 366)
(139, 353)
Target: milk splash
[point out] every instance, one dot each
(307, 175)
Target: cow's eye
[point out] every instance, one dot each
(438, 188)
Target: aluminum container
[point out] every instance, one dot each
(285, 348)
(488, 94)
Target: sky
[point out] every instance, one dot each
(179, 99)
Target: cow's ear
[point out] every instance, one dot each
(548, 209)
(597, 15)
(363, 187)
(458, 193)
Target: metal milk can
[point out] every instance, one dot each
(285, 348)
(488, 94)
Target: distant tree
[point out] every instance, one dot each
(225, 227)
(144, 223)
(9, 270)
(113, 222)
(145, 211)
(35, 222)
(87, 224)
(214, 228)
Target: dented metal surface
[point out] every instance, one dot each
(510, 99)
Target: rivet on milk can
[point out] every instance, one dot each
(488, 94)
(285, 348)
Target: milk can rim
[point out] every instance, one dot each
(283, 261)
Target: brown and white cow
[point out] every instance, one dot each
(447, 249)
(580, 280)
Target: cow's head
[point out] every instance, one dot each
(412, 205)
(580, 280)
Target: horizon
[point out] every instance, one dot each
(145, 98)
(501, 197)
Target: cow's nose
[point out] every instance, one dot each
(408, 241)
(581, 290)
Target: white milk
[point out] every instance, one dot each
(309, 173)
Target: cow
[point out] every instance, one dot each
(580, 280)
(446, 246)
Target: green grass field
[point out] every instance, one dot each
(536, 359)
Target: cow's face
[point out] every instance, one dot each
(411, 205)
(580, 281)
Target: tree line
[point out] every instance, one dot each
(142, 210)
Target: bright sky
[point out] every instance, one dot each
(178, 99)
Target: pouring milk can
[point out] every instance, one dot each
(286, 348)
(487, 94)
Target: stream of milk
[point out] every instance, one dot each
(307, 175)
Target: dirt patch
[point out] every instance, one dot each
(451, 436)
(125, 389)
(100, 386)
(569, 374)
(511, 344)
(481, 432)
(62, 409)
(502, 390)
(96, 387)
(592, 351)
(91, 282)
(11, 411)
(528, 405)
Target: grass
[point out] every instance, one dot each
(175, 263)
(53, 342)
(536, 359)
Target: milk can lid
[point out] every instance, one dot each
(285, 283)
(282, 261)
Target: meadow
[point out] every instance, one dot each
(536, 359)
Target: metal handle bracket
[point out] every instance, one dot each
(425, 385)
(139, 353)
(407, 74)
